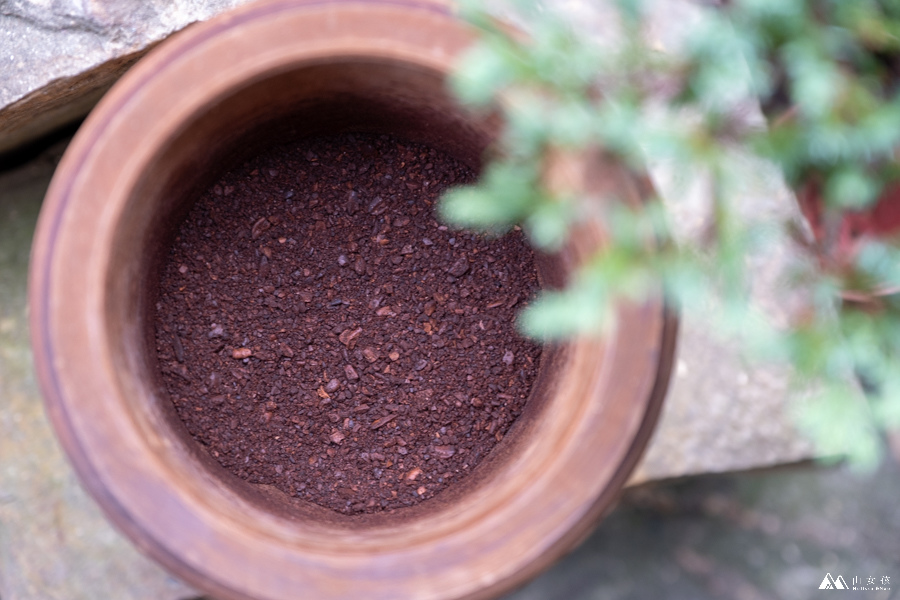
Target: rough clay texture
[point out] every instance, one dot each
(318, 330)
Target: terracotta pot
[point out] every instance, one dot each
(194, 106)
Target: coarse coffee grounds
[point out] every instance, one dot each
(318, 330)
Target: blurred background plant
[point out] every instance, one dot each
(825, 73)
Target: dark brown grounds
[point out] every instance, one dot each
(320, 332)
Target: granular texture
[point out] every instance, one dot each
(319, 331)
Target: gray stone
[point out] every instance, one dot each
(726, 410)
(58, 57)
(722, 413)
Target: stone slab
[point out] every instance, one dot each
(58, 57)
(723, 411)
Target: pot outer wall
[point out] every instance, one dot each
(196, 105)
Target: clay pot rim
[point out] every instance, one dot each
(655, 320)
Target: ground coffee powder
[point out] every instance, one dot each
(318, 330)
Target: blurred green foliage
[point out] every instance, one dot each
(827, 75)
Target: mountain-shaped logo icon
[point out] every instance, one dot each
(830, 583)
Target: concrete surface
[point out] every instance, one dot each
(752, 536)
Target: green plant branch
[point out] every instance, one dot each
(824, 73)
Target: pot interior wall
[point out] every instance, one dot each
(311, 99)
